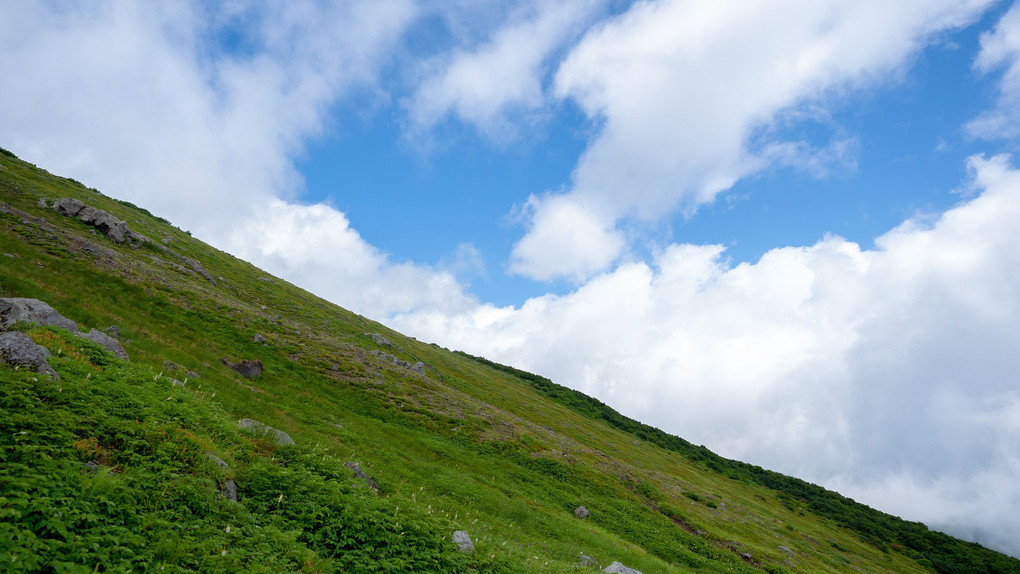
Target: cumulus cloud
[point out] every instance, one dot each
(1000, 49)
(197, 111)
(688, 93)
(562, 227)
(484, 84)
(874, 371)
(314, 246)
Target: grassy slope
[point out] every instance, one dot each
(468, 447)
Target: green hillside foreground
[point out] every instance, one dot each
(108, 469)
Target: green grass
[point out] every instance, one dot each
(474, 446)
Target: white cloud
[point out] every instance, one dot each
(862, 369)
(143, 102)
(484, 84)
(688, 92)
(315, 247)
(560, 229)
(1000, 48)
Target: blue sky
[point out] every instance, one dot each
(787, 230)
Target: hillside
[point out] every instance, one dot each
(128, 465)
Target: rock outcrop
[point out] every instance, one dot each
(279, 437)
(250, 369)
(17, 348)
(418, 367)
(379, 339)
(107, 224)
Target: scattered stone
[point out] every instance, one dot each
(619, 568)
(92, 467)
(14, 309)
(259, 339)
(463, 541)
(108, 342)
(18, 349)
(785, 549)
(581, 512)
(281, 438)
(112, 331)
(228, 490)
(175, 382)
(586, 561)
(42, 203)
(250, 369)
(169, 366)
(419, 368)
(746, 556)
(380, 340)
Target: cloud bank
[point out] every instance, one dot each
(879, 372)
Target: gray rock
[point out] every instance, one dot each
(250, 369)
(379, 339)
(108, 343)
(175, 382)
(586, 561)
(92, 467)
(67, 206)
(281, 438)
(463, 541)
(14, 309)
(41, 203)
(618, 568)
(228, 490)
(746, 556)
(785, 549)
(112, 331)
(18, 349)
(581, 512)
(360, 474)
(107, 224)
(259, 339)
(419, 368)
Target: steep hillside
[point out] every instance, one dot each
(139, 464)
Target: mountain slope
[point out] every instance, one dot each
(467, 445)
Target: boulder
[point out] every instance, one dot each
(281, 438)
(419, 368)
(586, 561)
(463, 541)
(250, 369)
(259, 339)
(14, 309)
(108, 342)
(18, 349)
(581, 512)
(67, 206)
(618, 568)
(107, 224)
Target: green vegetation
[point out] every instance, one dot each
(107, 469)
